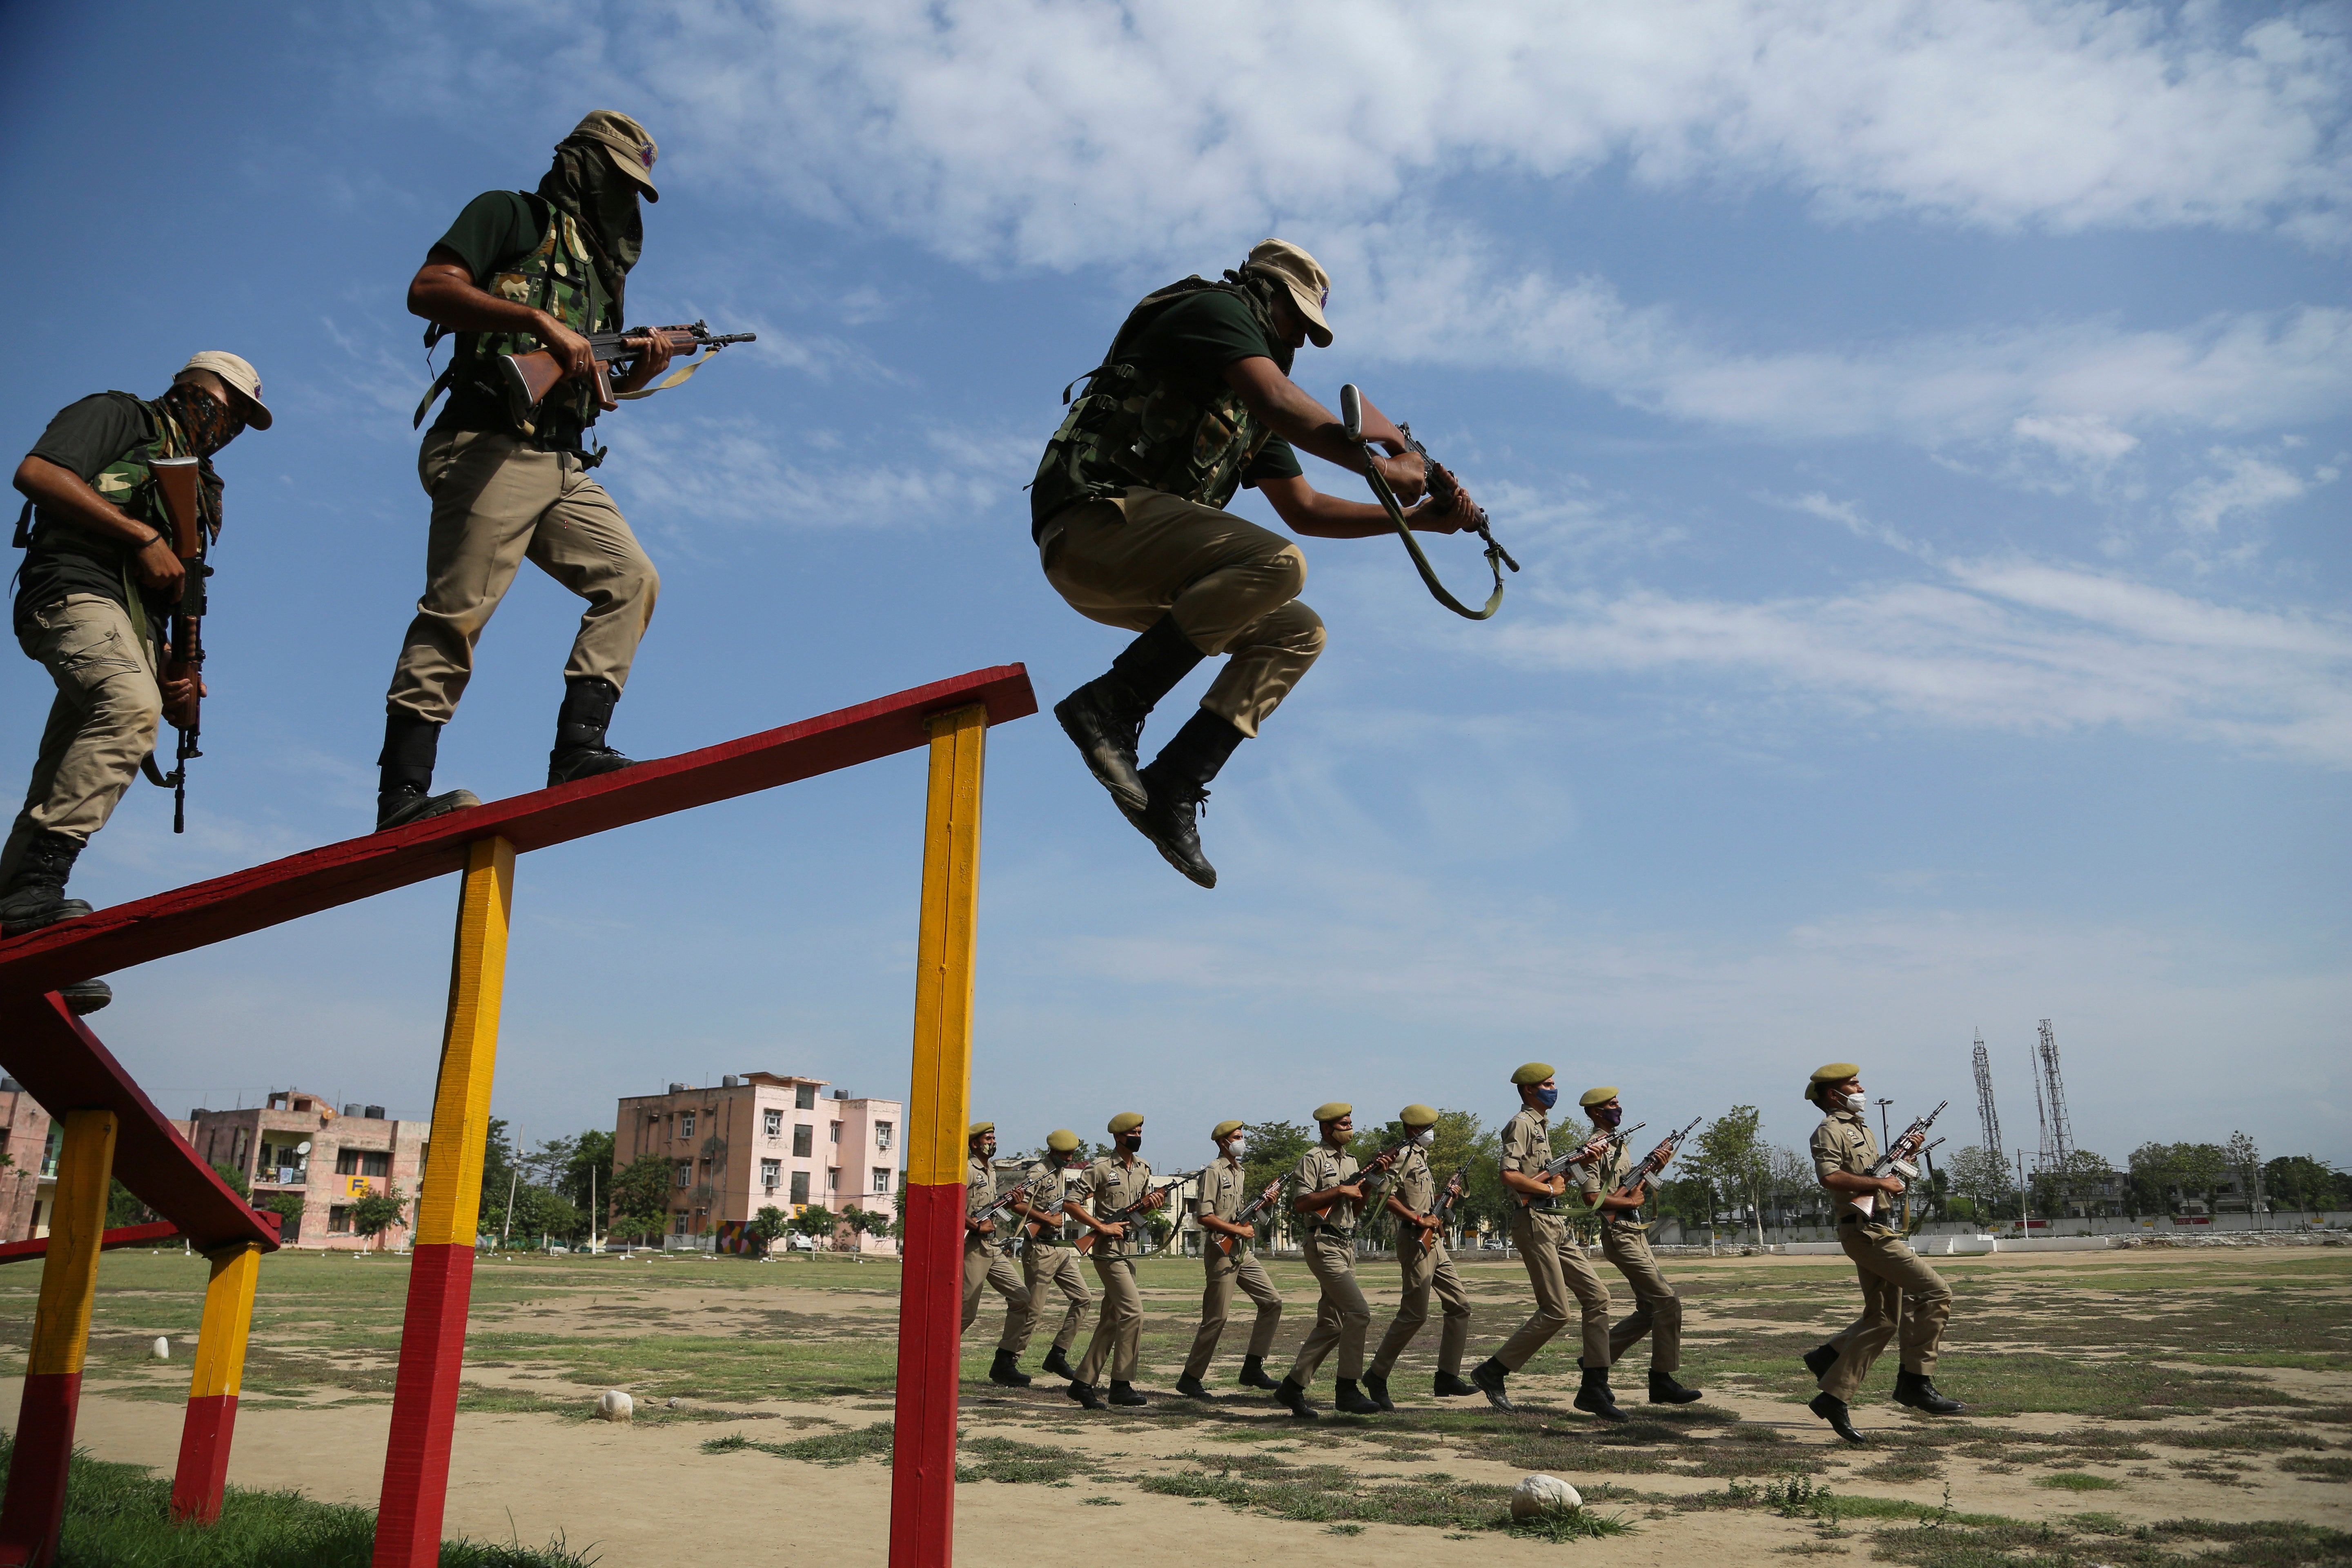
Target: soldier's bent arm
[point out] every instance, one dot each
(1315, 1203)
(1535, 1187)
(444, 290)
(63, 495)
(1306, 424)
(1306, 509)
(1850, 1182)
(1227, 1228)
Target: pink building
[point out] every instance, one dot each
(761, 1138)
(28, 1180)
(299, 1146)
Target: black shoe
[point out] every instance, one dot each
(1190, 1387)
(1594, 1397)
(580, 751)
(1253, 1373)
(1820, 1358)
(1178, 782)
(1293, 1398)
(1918, 1390)
(1349, 1400)
(84, 997)
(1488, 1377)
(1058, 1361)
(1084, 1393)
(1831, 1409)
(1665, 1390)
(1124, 1394)
(399, 807)
(36, 894)
(1106, 740)
(1450, 1386)
(1376, 1388)
(1006, 1370)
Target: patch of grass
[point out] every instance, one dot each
(733, 1443)
(1102, 1502)
(1572, 1524)
(1014, 1463)
(1343, 1530)
(823, 1448)
(2077, 1481)
(2262, 1544)
(2326, 1469)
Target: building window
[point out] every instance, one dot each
(804, 1097)
(881, 1178)
(833, 1132)
(363, 1162)
(685, 1171)
(803, 1139)
(833, 1179)
(773, 1124)
(800, 1186)
(678, 1223)
(685, 1124)
(882, 1131)
(771, 1174)
(236, 1149)
(338, 1220)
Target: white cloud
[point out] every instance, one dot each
(739, 469)
(2248, 482)
(2086, 439)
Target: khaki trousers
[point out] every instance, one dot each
(1657, 1309)
(1426, 1271)
(1342, 1316)
(987, 1266)
(1118, 1333)
(1044, 1264)
(101, 724)
(1232, 585)
(1558, 1270)
(1223, 1274)
(496, 504)
(1900, 1291)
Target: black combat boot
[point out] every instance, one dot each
(1084, 1393)
(1058, 1361)
(1487, 1378)
(1665, 1390)
(1104, 718)
(1124, 1394)
(84, 997)
(1293, 1398)
(1006, 1370)
(1376, 1387)
(1820, 1358)
(1253, 1373)
(1178, 782)
(36, 894)
(1594, 1397)
(405, 793)
(1831, 1409)
(1918, 1390)
(1190, 1387)
(1449, 1385)
(1350, 1399)
(579, 751)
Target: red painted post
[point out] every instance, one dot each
(213, 1384)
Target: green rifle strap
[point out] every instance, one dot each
(440, 385)
(676, 378)
(1421, 561)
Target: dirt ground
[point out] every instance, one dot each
(2109, 1392)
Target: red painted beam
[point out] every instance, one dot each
(248, 900)
(62, 1065)
(425, 1406)
(202, 1476)
(931, 1349)
(121, 1235)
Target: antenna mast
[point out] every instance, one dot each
(2059, 1136)
(1985, 1111)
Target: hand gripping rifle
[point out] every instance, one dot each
(1898, 1160)
(1227, 1246)
(1576, 1156)
(1654, 1163)
(527, 379)
(1444, 1212)
(1086, 1243)
(1026, 1191)
(1446, 490)
(179, 482)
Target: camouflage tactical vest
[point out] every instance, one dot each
(1160, 426)
(559, 278)
(128, 483)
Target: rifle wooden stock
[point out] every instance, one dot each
(175, 482)
(525, 380)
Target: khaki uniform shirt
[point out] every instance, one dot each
(1113, 1186)
(1049, 1199)
(1842, 1143)
(1416, 1183)
(979, 1193)
(1527, 1149)
(1223, 1191)
(1605, 1176)
(1319, 1170)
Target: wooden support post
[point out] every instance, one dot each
(36, 1506)
(212, 1386)
(441, 1267)
(930, 1291)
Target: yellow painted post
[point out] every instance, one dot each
(36, 1505)
(213, 1384)
(441, 1267)
(930, 1296)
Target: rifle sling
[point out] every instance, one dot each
(1421, 562)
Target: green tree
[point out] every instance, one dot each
(866, 1221)
(2300, 1182)
(122, 1208)
(768, 1224)
(287, 1207)
(2245, 1162)
(377, 1213)
(499, 1173)
(1734, 1160)
(816, 1222)
(1982, 1178)
(640, 1196)
(236, 1179)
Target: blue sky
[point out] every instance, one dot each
(1924, 428)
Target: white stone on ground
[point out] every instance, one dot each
(162, 1350)
(1536, 1495)
(614, 1406)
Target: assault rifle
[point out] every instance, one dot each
(1445, 1209)
(1577, 1156)
(1003, 1205)
(178, 481)
(1247, 1215)
(1654, 1162)
(1898, 1160)
(525, 380)
(1086, 1243)
(1374, 1175)
(1446, 490)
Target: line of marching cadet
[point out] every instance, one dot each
(1068, 1208)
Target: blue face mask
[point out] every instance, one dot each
(1546, 1098)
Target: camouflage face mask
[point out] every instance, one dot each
(583, 183)
(206, 421)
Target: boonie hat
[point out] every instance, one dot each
(1834, 1072)
(1309, 285)
(1602, 1096)
(1532, 1072)
(1418, 1116)
(1224, 1127)
(632, 148)
(238, 374)
(1332, 1110)
(1126, 1121)
(1062, 1140)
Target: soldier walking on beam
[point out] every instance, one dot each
(1192, 401)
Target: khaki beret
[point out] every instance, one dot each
(1836, 1072)
(1062, 1140)
(1126, 1121)
(1418, 1116)
(1331, 1110)
(978, 1127)
(1532, 1072)
(1224, 1127)
(1602, 1096)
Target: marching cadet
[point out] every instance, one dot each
(1625, 1242)
(1557, 1267)
(1227, 1261)
(1421, 1254)
(984, 1263)
(1117, 1182)
(1049, 1259)
(1330, 1192)
(1898, 1290)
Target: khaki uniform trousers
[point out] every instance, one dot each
(497, 503)
(1044, 1264)
(1223, 1274)
(1118, 1333)
(1657, 1308)
(1558, 1270)
(985, 1266)
(1900, 1291)
(1232, 585)
(1426, 1271)
(101, 724)
(1342, 1317)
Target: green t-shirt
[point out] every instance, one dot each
(495, 232)
(1207, 331)
(64, 558)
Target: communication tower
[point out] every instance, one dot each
(2057, 1131)
(1985, 1114)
